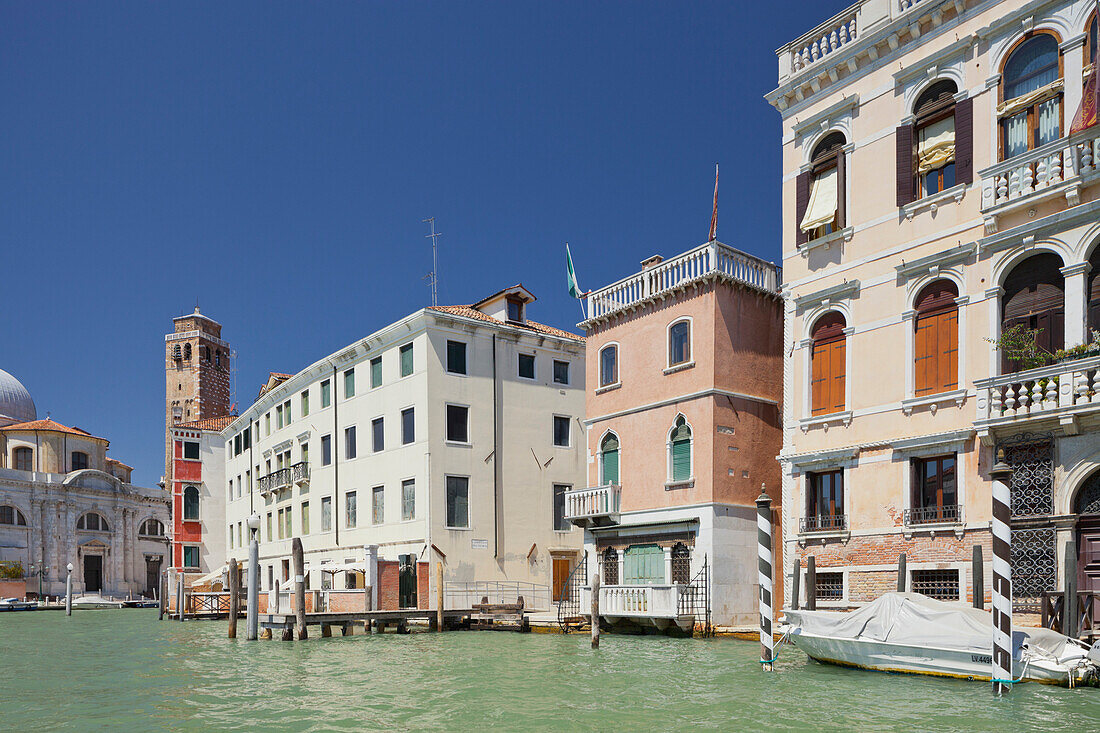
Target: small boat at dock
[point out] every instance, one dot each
(95, 602)
(14, 604)
(915, 634)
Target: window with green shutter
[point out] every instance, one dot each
(326, 393)
(349, 384)
(680, 447)
(644, 565)
(376, 372)
(406, 360)
(609, 460)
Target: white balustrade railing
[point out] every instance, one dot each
(1050, 165)
(704, 260)
(642, 601)
(1038, 392)
(597, 501)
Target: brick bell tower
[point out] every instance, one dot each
(196, 376)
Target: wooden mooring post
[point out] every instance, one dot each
(439, 625)
(298, 554)
(1001, 670)
(977, 576)
(795, 581)
(179, 597)
(162, 588)
(595, 610)
(901, 573)
(234, 597)
(764, 561)
(811, 583)
(1069, 597)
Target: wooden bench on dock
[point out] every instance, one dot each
(499, 616)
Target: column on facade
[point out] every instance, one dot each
(53, 540)
(1076, 282)
(118, 549)
(1073, 67)
(622, 565)
(993, 297)
(668, 564)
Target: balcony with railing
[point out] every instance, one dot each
(597, 506)
(708, 260)
(299, 473)
(656, 605)
(1057, 169)
(1059, 394)
(945, 514)
(823, 523)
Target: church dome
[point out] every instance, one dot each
(16, 404)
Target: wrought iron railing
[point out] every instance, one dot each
(823, 523)
(299, 473)
(284, 477)
(460, 595)
(946, 514)
(1088, 609)
(569, 604)
(695, 599)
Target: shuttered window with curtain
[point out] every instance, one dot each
(609, 461)
(828, 365)
(936, 352)
(819, 192)
(680, 449)
(1034, 297)
(1030, 110)
(936, 151)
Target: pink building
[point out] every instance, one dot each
(684, 379)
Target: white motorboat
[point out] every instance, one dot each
(95, 602)
(14, 604)
(915, 634)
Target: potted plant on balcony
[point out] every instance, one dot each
(1020, 347)
(1081, 351)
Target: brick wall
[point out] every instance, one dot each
(388, 585)
(423, 571)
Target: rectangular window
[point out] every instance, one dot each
(305, 453)
(349, 383)
(458, 502)
(248, 438)
(230, 489)
(270, 528)
(326, 394)
(349, 442)
(304, 399)
(376, 372)
(527, 366)
(230, 528)
(286, 413)
(830, 586)
(237, 446)
(408, 499)
(825, 501)
(458, 426)
(267, 423)
(278, 417)
(406, 360)
(240, 533)
(190, 556)
(561, 524)
(561, 372)
(456, 357)
(408, 426)
(281, 523)
(289, 522)
(943, 585)
(378, 506)
(935, 490)
(378, 434)
(609, 366)
(561, 431)
(191, 450)
(349, 510)
(326, 514)
(326, 450)
(305, 517)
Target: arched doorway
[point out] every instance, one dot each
(1087, 508)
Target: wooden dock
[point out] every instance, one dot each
(370, 621)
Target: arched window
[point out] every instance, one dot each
(936, 347)
(1087, 500)
(681, 564)
(11, 516)
(1031, 95)
(819, 195)
(609, 460)
(679, 451)
(1094, 291)
(679, 343)
(935, 137)
(1090, 41)
(93, 522)
(177, 354)
(828, 362)
(23, 459)
(191, 503)
(79, 460)
(609, 365)
(1034, 300)
(151, 528)
(610, 566)
(218, 358)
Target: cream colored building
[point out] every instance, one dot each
(450, 435)
(932, 200)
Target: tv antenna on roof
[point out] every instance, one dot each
(432, 277)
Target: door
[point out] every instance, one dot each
(644, 565)
(1088, 559)
(93, 573)
(152, 576)
(407, 581)
(561, 569)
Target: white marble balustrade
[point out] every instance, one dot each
(1038, 392)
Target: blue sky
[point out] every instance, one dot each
(273, 161)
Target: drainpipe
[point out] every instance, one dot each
(335, 458)
(496, 455)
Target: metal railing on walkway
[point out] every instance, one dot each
(536, 597)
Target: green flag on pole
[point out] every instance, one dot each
(570, 274)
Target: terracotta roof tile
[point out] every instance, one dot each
(117, 462)
(470, 312)
(216, 424)
(56, 427)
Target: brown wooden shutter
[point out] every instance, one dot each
(964, 141)
(841, 187)
(924, 362)
(904, 137)
(948, 345)
(801, 201)
(837, 367)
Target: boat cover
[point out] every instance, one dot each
(913, 619)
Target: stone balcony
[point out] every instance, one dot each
(652, 605)
(1057, 170)
(1060, 395)
(596, 506)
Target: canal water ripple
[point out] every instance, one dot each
(124, 670)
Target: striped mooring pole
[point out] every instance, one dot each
(764, 535)
(1001, 474)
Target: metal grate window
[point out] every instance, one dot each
(1032, 483)
(611, 566)
(681, 564)
(830, 586)
(943, 585)
(1034, 566)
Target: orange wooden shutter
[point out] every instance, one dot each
(836, 362)
(948, 350)
(819, 382)
(925, 361)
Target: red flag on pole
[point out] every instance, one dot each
(714, 211)
(1086, 113)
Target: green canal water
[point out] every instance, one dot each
(124, 670)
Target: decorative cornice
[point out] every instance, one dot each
(845, 291)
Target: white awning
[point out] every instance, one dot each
(822, 206)
(936, 146)
(1010, 107)
(347, 567)
(210, 577)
